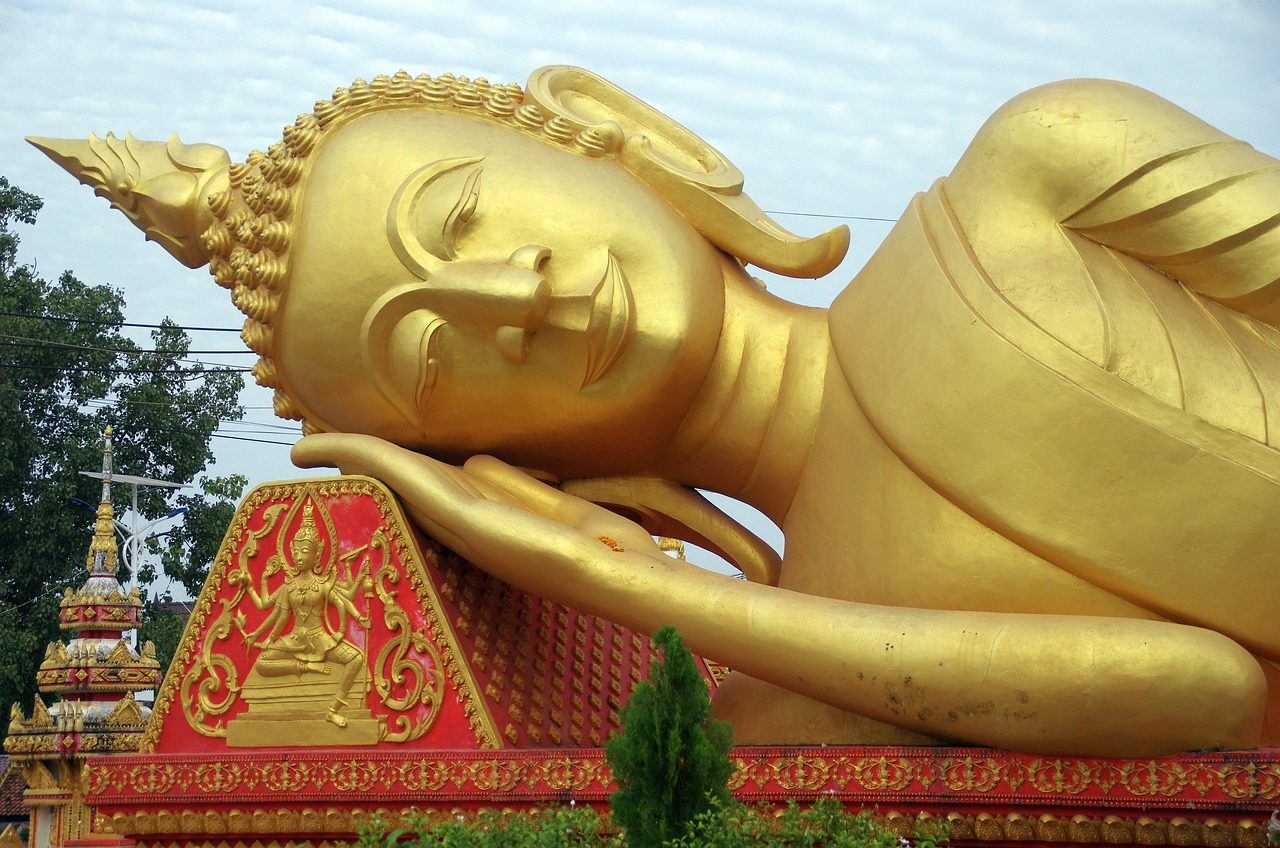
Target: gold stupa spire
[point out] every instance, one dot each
(103, 555)
(162, 186)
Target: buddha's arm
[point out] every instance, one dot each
(1033, 682)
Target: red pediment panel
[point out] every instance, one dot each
(329, 621)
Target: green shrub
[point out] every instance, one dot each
(722, 825)
(826, 824)
(671, 760)
(556, 827)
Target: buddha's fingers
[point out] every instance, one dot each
(499, 518)
(560, 507)
(436, 494)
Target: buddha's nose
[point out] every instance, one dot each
(512, 340)
(509, 299)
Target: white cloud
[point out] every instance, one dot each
(832, 107)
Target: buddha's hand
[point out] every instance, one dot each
(515, 527)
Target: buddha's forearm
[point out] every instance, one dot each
(1077, 684)
(1038, 682)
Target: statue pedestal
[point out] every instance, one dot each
(472, 694)
(293, 711)
(278, 731)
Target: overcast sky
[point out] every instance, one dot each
(828, 108)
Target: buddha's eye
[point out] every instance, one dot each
(458, 218)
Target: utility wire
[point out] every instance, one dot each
(167, 403)
(29, 602)
(118, 323)
(247, 439)
(190, 373)
(121, 352)
(249, 428)
(45, 343)
(836, 217)
(284, 428)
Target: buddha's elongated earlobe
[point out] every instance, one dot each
(698, 181)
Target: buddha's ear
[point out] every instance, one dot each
(668, 509)
(694, 177)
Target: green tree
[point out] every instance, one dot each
(185, 556)
(67, 371)
(163, 628)
(671, 761)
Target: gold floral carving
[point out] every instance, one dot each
(1057, 777)
(347, 777)
(400, 683)
(295, 792)
(210, 686)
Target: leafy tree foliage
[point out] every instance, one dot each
(67, 371)
(163, 628)
(671, 761)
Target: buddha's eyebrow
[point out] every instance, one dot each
(422, 247)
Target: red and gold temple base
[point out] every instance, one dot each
(1219, 799)
(339, 665)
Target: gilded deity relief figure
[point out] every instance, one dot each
(310, 680)
(1026, 464)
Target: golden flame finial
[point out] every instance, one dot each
(162, 186)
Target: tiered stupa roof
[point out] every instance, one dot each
(97, 672)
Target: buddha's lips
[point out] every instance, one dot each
(610, 325)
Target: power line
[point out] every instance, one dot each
(47, 343)
(97, 403)
(167, 403)
(118, 323)
(189, 372)
(28, 603)
(271, 425)
(120, 351)
(247, 439)
(836, 217)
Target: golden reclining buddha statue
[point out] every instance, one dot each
(1026, 464)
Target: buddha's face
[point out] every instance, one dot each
(459, 287)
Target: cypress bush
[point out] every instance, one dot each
(671, 760)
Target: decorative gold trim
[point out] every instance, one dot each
(1110, 829)
(127, 714)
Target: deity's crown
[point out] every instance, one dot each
(307, 530)
(237, 217)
